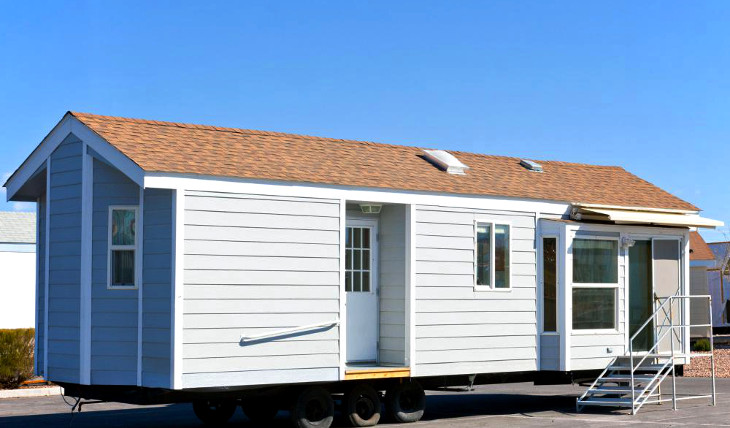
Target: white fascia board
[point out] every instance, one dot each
(350, 193)
(71, 125)
(38, 156)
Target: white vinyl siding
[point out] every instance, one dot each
(253, 265)
(460, 330)
(392, 271)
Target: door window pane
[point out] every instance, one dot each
(594, 308)
(357, 283)
(358, 260)
(366, 259)
(366, 281)
(550, 283)
(483, 255)
(501, 256)
(595, 261)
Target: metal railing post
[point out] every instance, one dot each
(712, 352)
(671, 344)
(631, 367)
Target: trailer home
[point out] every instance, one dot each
(273, 271)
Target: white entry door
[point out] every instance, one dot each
(361, 286)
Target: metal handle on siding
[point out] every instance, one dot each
(290, 331)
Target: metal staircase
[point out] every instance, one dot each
(635, 379)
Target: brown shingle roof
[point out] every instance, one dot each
(242, 153)
(699, 250)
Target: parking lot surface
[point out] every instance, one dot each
(513, 405)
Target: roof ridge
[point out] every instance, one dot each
(342, 140)
(80, 115)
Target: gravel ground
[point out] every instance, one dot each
(700, 366)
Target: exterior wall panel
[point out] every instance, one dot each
(254, 265)
(113, 312)
(392, 251)
(157, 289)
(460, 330)
(64, 262)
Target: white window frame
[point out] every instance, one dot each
(111, 248)
(558, 259)
(492, 286)
(615, 286)
(372, 224)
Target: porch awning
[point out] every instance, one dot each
(620, 216)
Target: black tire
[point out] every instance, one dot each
(362, 406)
(214, 412)
(313, 408)
(405, 402)
(260, 410)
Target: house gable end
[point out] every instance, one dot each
(16, 184)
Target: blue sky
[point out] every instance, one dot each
(644, 85)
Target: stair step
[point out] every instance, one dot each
(625, 378)
(603, 389)
(601, 401)
(643, 367)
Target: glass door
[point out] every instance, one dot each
(641, 294)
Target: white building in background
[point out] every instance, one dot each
(17, 269)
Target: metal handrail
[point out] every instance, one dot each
(290, 331)
(671, 327)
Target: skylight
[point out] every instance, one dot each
(446, 161)
(531, 165)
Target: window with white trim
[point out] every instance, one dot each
(492, 256)
(122, 247)
(595, 283)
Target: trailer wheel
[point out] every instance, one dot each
(405, 402)
(212, 412)
(362, 405)
(313, 408)
(259, 410)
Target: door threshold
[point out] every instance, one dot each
(376, 372)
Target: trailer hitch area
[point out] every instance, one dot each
(76, 406)
(472, 378)
(81, 403)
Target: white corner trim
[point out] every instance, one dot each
(178, 288)
(411, 286)
(139, 255)
(565, 298)
(71, 125)
(36, 369)
(342, 294)
(87, 186)
(47, 251)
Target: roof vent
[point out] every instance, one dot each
(446, 161)
(532, 166)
